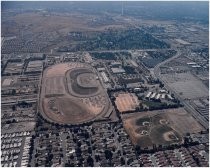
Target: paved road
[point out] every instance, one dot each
(63, 144)
(157, 67)
(186, 104)
(110, 75)
(11, 102)
(125, 50)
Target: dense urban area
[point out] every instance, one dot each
(90, 89)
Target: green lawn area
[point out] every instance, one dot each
(154, 105)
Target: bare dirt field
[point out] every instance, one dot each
(67, 111)
(186, 85)
(18, 127)
(182, 121)
(39, 22)
(126, 102)
(55, 85)
(69, 99)
(160, 127)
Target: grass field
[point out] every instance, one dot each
(154, 105)
(140, 121)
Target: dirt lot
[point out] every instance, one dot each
(160, 127)
(182, 121)
(18, 127)
(126, 102)
(186, 85)
(76, 114)
(54, 85)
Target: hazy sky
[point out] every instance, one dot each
(153, 10)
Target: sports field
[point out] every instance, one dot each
(160, 127)
(126, 102)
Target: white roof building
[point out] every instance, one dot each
(153, 95)
(148, 94)
(105, 78)
(158, 96)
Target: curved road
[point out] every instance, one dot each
(186, 104)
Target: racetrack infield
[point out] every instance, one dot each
(81, 82)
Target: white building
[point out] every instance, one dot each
(153, 96)
(163, 96)
(158, 96)
(105, 78)
(169, 96)
(148, 94)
